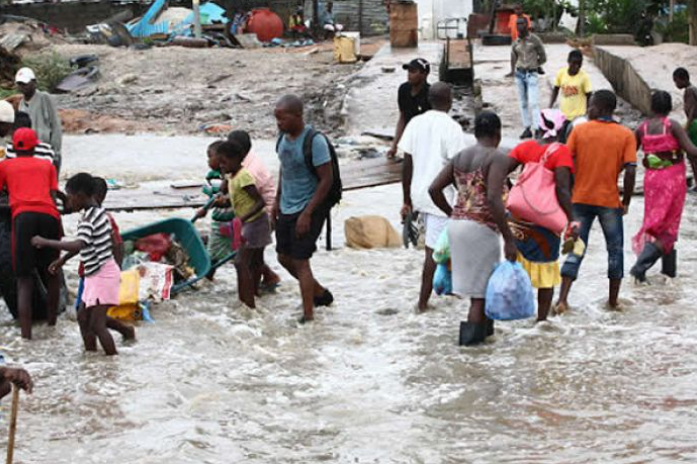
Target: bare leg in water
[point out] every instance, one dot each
(563, 302)
(309, 287)
(544, 303)
(427, 279)
(97, 315)
(128, 332)
(53, 284)
(245, 282)
(88, 337)
(476, 314)
(25, 288)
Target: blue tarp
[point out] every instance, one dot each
(144, 28)
(210, 13)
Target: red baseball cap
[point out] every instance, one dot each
(24, 139)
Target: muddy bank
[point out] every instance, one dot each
(182, 91)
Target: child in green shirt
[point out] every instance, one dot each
(220, 239)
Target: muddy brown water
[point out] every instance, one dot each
(370, 380)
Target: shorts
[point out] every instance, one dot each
(26, 258)
(289, 244)
(257, 234)
(102, 288)
(435, 225)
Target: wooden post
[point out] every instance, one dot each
(671, 10)
(329, 230)
(197, 19)
(492, 22)
(13, 424)
(316, 28)
(692, 10)
(360, 16)
(582, 18)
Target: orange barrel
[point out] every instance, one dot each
(265, 24)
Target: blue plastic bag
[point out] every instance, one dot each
(443, 280)
(509, 294)
(441, 253)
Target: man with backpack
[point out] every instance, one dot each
(308, 186)
(429, 142)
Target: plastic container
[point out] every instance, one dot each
(266, 24)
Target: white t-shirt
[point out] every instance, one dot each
(432, 139)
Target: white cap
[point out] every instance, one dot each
(25, 76)
(7, 112)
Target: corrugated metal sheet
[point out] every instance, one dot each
(367, 16)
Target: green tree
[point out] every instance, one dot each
(692, 9)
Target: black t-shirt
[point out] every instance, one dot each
(412, 105)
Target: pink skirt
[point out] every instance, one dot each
(664, 198)
(102, 288)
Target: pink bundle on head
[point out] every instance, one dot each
(551, 122)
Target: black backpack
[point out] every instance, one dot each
(334, 195)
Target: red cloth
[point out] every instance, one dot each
(156, 246)
(29, 182)
(115, 240)
(531, 152)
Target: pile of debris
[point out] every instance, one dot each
(164, 25)
(22, 35)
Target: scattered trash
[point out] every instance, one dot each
(216, 129)
(78, 79)
(127, 79)
(19, 34)
(114, 34)
(190, 42)
(249, 41)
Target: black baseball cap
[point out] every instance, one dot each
(419, 64)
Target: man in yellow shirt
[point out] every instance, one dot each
(575, 87)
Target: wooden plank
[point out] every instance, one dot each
(459, 55)
(358, 175)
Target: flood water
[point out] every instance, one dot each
(371, 380)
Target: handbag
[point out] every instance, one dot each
(534, 197)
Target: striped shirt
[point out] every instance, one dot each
(42, 151)
(94, 230)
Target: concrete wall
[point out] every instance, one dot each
(624, 78)
(431, 12)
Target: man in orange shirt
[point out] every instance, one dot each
(513, 21)
(602, 149)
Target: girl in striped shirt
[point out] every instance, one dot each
(102, 274)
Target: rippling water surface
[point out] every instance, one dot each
(370, 380)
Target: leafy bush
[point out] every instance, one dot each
(50, 69)
(678, 30)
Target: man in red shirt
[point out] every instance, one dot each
(32, 185)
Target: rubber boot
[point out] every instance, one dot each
(648, 257)
(489, 327)
(472, 334)
(669, 264)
